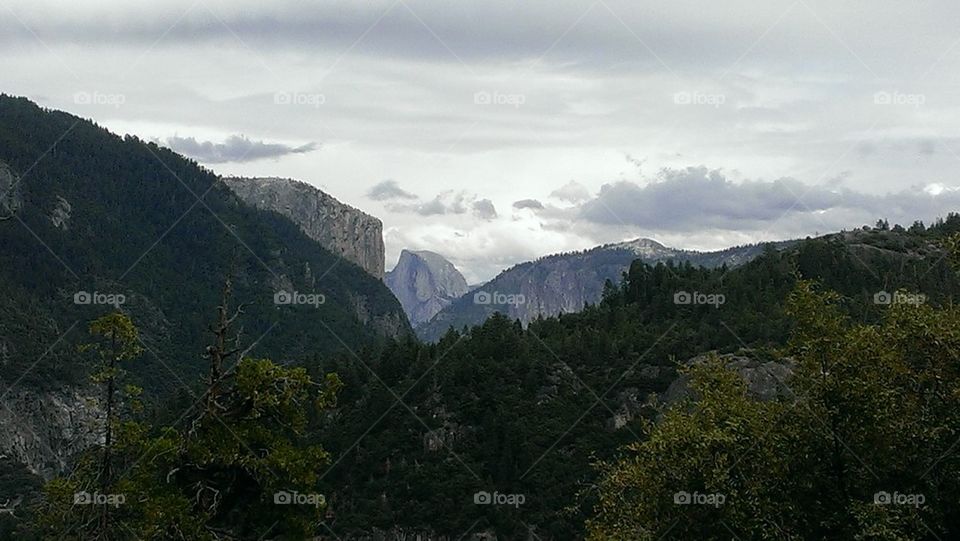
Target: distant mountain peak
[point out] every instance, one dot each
(643, 247)
(563, 283)
(424, 282)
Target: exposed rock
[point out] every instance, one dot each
(43, 430)
(338, 227)
(565, 283)
(9, 507)
(386, 324)
(10, 199)
(766, 380)
(424, 283)
(444, 437)
(60, 216)
(630, 408)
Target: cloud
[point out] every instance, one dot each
(571, 192)
(443, 204)
(484, 209)
(406, 108)
(528, 204)
(448, 203)
(387, 190)
(237, 148)
(697, 199)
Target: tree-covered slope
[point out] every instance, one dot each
(565, 283)
(526, 411)
(85, 211)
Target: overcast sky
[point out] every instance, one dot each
(498, 131)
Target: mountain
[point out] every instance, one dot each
(425, 283)
(513, 411)
(565, 283)
(338, 227)
(91, 222)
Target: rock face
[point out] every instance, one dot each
(425, 283)
(564, 283)
(9, 192)
(43, 430)
(766, 380)
(60, 216)
(338, 227)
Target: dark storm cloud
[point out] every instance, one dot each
(236, 148)
(388, 190)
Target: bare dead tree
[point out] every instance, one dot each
(222, 352)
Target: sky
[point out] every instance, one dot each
(497, 132)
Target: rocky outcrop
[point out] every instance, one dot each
(425, 283)
(663, 387)
(338, 227)
(60, 216)
(766, 380)
(43, 430)
(565, 283)
(10, 200)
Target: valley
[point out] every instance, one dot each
(501, 424)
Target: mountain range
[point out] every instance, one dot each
(531, 410)
(522, 390)
(565, 283)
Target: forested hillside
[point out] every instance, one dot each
(91, 213)
(92, 223)
(223, 414)
(526, 412)
(564, 283)
(565, 429)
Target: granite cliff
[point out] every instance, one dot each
(425, 283)
(564, 283)
(338, 227)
